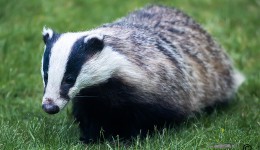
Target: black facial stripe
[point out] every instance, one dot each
(46, 56)
(79, 54)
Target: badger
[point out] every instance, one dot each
(155, 66)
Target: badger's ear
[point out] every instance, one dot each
(47, 34)
(94, 42)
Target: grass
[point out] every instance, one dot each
(23, 124)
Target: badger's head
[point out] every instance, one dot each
(73, 61)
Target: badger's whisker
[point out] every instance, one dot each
(86, 96)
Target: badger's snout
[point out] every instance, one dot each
(49, 107)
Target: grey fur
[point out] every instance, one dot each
(189, 69)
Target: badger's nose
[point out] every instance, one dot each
(50, 108)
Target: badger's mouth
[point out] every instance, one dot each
(53, 106)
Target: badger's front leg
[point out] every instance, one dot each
(89, 129)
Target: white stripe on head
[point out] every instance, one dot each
(59, 56)
(97, 70)
(102, 66)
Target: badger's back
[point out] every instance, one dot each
(181, 60)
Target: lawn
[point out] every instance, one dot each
(23, 124)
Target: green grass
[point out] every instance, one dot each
(23, 124)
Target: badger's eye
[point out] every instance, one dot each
(69, 80)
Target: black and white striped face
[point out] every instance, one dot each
(71, 62)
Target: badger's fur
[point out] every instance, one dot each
(155, 66)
